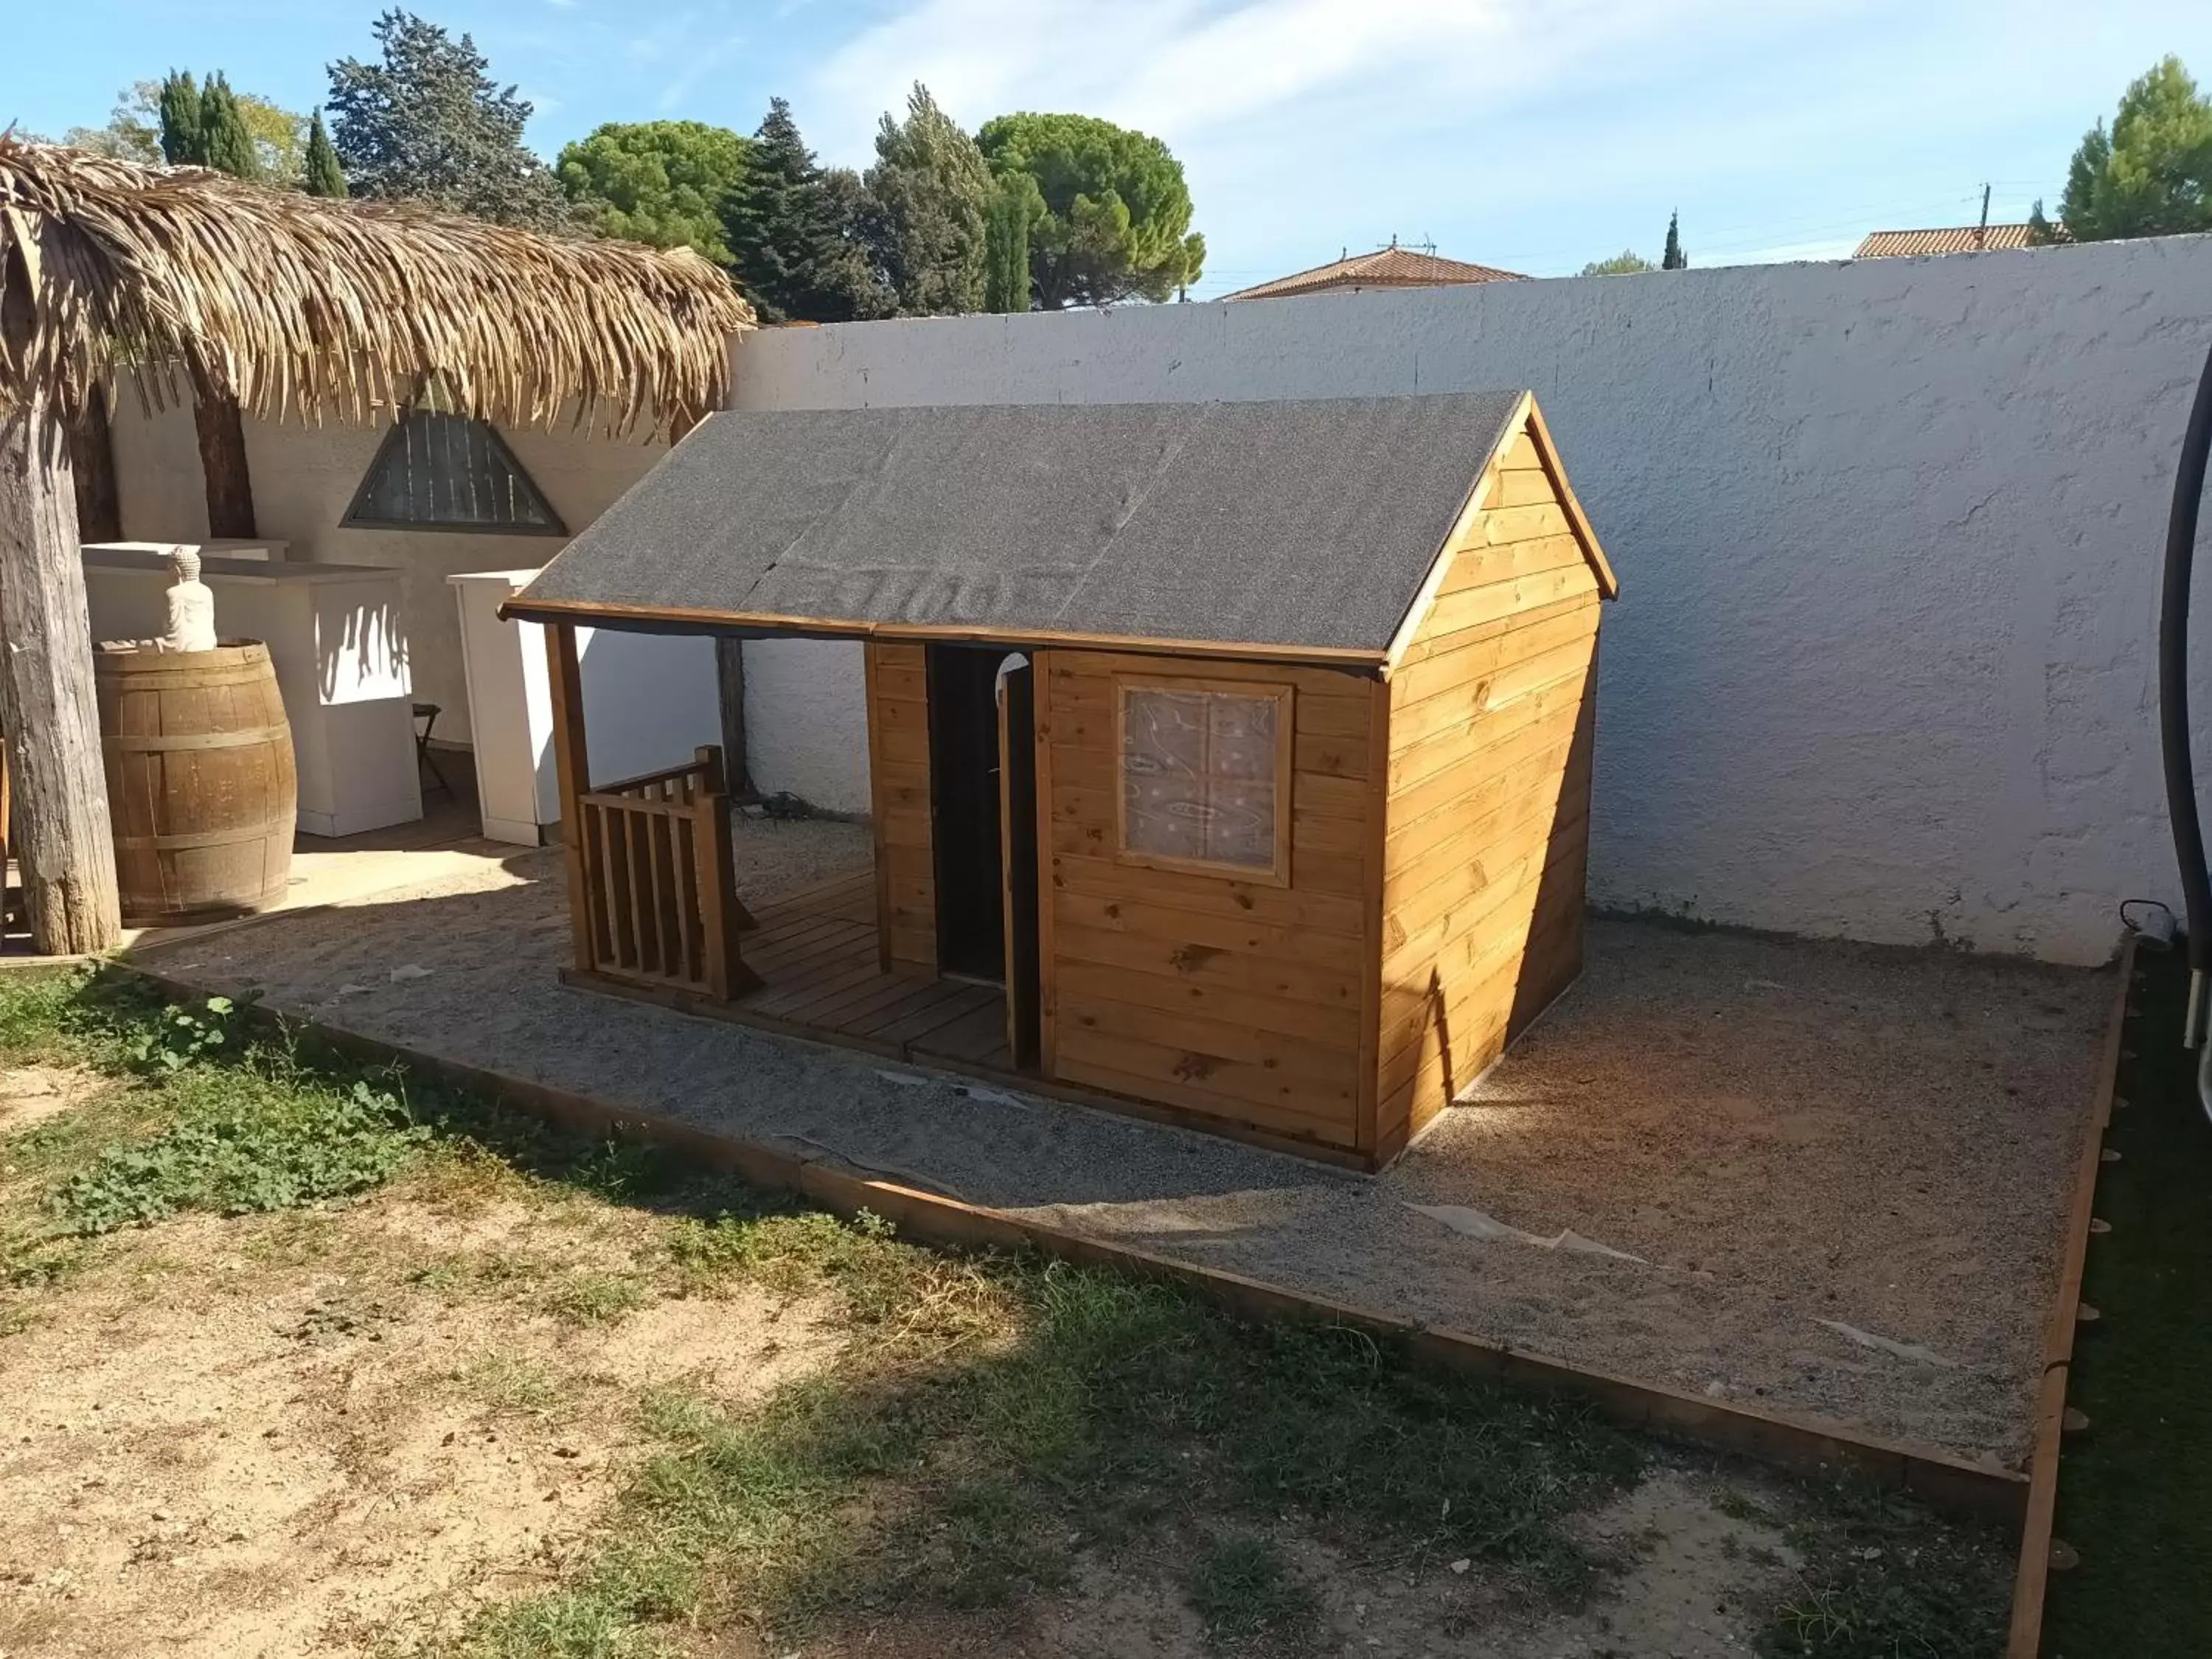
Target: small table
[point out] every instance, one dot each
(426, 716)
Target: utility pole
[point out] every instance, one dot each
(1982, 231)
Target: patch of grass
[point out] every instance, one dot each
(994, 1418)
(1883, 1578)
(510, 1382)
(1245, 1589)
(1742, 1506)
(593, 1299)
(2135, 1494)
(35, 1009)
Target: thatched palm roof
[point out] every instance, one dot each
(295, 305)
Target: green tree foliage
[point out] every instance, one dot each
(2151, 175)
(226, 144)
(796, 233)
(1015, 206)
(152, 116)
(1117, 213)
(1674, 258)
(658, 182)
(929, 193)
(426, 123)
(133, 132)
(323, 175)
(1626, 263)
(183, 142)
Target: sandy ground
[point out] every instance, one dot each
(333, 1432)
(339, 1432)
(1790, 1138)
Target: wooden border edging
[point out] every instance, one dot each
(2033, 1574)
(1804, 1446)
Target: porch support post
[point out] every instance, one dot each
(572, 769)
(66, 853)
(92, 454)
(222, 428)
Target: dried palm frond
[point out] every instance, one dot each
(298, 305)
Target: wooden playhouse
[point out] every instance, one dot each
(1230, 761)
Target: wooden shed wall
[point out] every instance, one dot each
(1245, 1002)
(1492, 715)
(898, 773)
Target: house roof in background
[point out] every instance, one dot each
(1389, 267)
(1950, 238)
(1307, 525)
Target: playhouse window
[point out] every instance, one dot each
(1205, 775)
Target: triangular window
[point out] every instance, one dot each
(438, 470)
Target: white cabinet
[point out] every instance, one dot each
(649, 700)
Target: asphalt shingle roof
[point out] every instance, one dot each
(1305, 523)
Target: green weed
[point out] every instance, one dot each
(241, 1140)
(1884, 1579)
(1243, 1587)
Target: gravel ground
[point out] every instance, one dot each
(1801, 1152)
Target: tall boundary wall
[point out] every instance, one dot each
(1888, 535)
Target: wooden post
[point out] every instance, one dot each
(573, 767)
(66, 848)
(730, 686)
(92, 454)
(222, 462)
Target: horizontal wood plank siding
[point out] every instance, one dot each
(1491, 717)
(898, 785)
(1240, 1000)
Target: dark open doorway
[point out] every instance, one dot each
(965, 810)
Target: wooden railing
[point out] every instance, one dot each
(660, 902)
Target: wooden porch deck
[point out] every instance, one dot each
(816, 952)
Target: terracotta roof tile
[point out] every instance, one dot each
(1389, 267)
(1954, 239)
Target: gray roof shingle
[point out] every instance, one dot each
(1304, 524)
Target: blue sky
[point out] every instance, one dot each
(1531, 134)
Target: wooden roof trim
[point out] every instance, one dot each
(1609, 584)
(615, 616)
(1527, 417)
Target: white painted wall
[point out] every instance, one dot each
(1888, 535)
(807, 722)
(304, 478)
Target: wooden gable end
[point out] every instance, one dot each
(1493, 691)
(1514, 545)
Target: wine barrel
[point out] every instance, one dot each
(200, 781)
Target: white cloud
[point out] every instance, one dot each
(1185, 69)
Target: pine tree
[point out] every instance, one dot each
(427, 123)
(1006, 243)
(1675, 259)
(183, 141)
(325, 176)
(225, 144)
(794, 234)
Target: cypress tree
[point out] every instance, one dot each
(1675, 259)
(1006, 244)
(226, 144)
(183, 141)
(323, 177)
